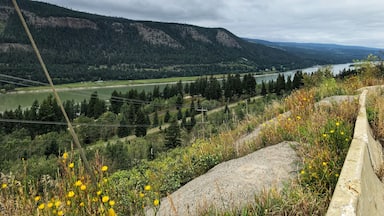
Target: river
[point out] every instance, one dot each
(12, 101)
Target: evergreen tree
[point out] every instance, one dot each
(184, 120)
(95, 107)
(280, 84)
(156, 92)
(297, 80)
(172, 135)
(192, 106)
(179, 114)
(271, 86)
(141, 124)
(143, 96)
(179, 101)
(70, 108)
(155, 119)
(288, 84)
(179, 88)
(167, 116)
(263, 89)
(116, 102)
(84, 108)
(123, 129)
(249, 84)
(237, 87)
(166, 92)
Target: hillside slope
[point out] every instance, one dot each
(322, 53)
(79, 46)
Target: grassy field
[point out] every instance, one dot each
(106, 84)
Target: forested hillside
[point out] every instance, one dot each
(322, 53)
(81, 47)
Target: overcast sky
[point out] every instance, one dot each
(348, 22)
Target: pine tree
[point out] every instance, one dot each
(167, 116)
(155, 119)
(263, 89)
(297, 80)
(123, 129)
(141, 124)
(172, 136)
(179, 114)
(179, 101)
(116, 102)
(280, 84)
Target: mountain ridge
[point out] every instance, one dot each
(325, 53)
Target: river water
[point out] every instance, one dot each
(336, 68)
(12, 101)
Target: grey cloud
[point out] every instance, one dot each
(352, 22)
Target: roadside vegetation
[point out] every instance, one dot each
(43, 175)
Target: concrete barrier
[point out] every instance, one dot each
(359, 191)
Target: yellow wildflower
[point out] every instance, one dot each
(3, 186)
(147, 187)
(70, 194)
(105, 180)
(337, 174)
(65, 155)
(156, 202)
(68, 202)
(105, 199)
(314, 175)
(111, 202)
(98, 192)
(325, 163)
(111, 212)
(82, 204)
(50, 204)
(95, 199)
(60, 213)
(337, 123)
(104, 168)
(332, 131)
(342, 133)
(141, 195)
(41, 206)
(57, 203)
(37, 198)
(83, 187)
(302, 172)
(298, 117)
(71, 165)
(78, 183)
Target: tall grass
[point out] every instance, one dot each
(323, 131)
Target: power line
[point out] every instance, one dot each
(22, 79)
(11, 82)
(58, 100)
(75, 124)
(112, 98)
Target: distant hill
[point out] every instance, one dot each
(79, 46)
(321, 53)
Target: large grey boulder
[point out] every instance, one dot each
(233, 183)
